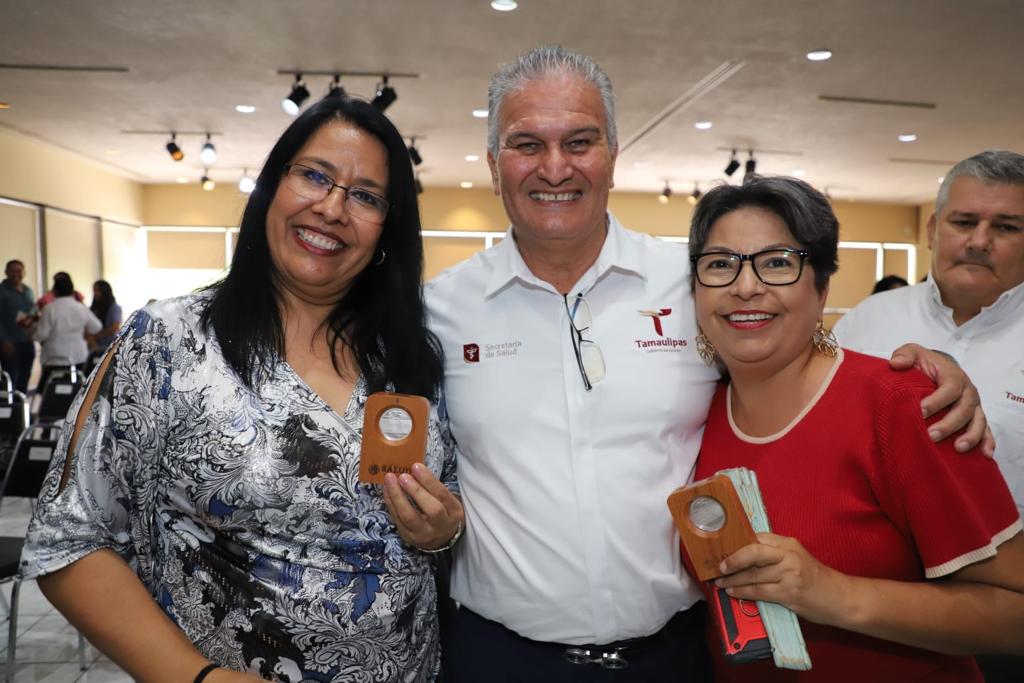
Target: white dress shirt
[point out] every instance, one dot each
(569, 538)
(989, 347)
(62, 326)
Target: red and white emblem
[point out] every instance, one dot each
(471, 353)
(656, 316)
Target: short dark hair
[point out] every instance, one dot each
(381, 317)
(62, 286)
(13, 261)
(804, 210)
(889, 282)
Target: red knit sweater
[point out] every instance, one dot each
(858, 482)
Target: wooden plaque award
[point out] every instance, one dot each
(394, 435)
(712, 523)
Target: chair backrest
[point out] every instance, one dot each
(31, 460)
(58, 394)
(6, 383)
(14, 414)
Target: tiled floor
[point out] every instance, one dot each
(47, 645)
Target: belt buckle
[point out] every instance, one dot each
(606, 659)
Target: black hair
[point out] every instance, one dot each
(381, 317)
(889, 282)
(62, 286)
(101, 304)
(805, 211)
(13, 261)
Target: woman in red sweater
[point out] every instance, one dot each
(900, 556)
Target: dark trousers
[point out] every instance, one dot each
(478, 650)
(19, 364)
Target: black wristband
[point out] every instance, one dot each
(204, 672)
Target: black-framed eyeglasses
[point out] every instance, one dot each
(775, 267)
(312, 183)
(588, 353)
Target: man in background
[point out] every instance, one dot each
(17, 317)
(972, 307)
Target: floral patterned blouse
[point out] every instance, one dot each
(242, 511)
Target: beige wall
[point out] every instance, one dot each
(191, 205)
(72, 246)
(18, 240)
(37, 172)
(924, 253)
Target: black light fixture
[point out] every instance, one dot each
(173, 149)
(666, 194)
(296, 97)
(732, 166)
(336, 90)
(695, 195)
(414, 153)
(209, 153)
(206, 182)
(751, 166)
(419, 185)
(385, 96)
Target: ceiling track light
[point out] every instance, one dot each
(336, 90)
(666, 194)
(732, 166)
(695, 195)
(750, 168)
(209, 153)
(296, 97)
(385, 96)
(173, 149)
(246, 184)
(206, 182)
(414, 153)
(419, 185)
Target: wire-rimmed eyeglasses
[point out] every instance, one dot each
(588, 353)
(775, 267)
(312, 183)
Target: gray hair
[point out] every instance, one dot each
(990, 166)
(538, 64)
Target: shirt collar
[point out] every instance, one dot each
(618, 253)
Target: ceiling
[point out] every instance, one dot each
(737, 63)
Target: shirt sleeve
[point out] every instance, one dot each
(955, 506)
(102, 494)
(42, 330)
(92, 323)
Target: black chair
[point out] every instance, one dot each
(24, 479)
(57, 395)
(95, 356)
(14, 417)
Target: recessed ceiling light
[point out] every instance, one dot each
(702, 125)
(907, 137)
(465, 184)
(639, 164)
(480, 113)
(819, 55)
(113, 152)
(798, 173)
(504, 5)
(182, 181)
(5, 105)
(472, 157)
(941, 179)
(245, 108)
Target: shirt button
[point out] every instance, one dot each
(958, 337)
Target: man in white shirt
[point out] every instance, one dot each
(578, 403)
(972, 304)
(972, 307)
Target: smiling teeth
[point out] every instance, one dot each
(749, 317)
(550, 197)
(319, 241)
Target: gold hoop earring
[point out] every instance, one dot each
(705, 349)
(824, 341)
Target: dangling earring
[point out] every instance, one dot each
(380, 259)
(705, 349)
(824, 341)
